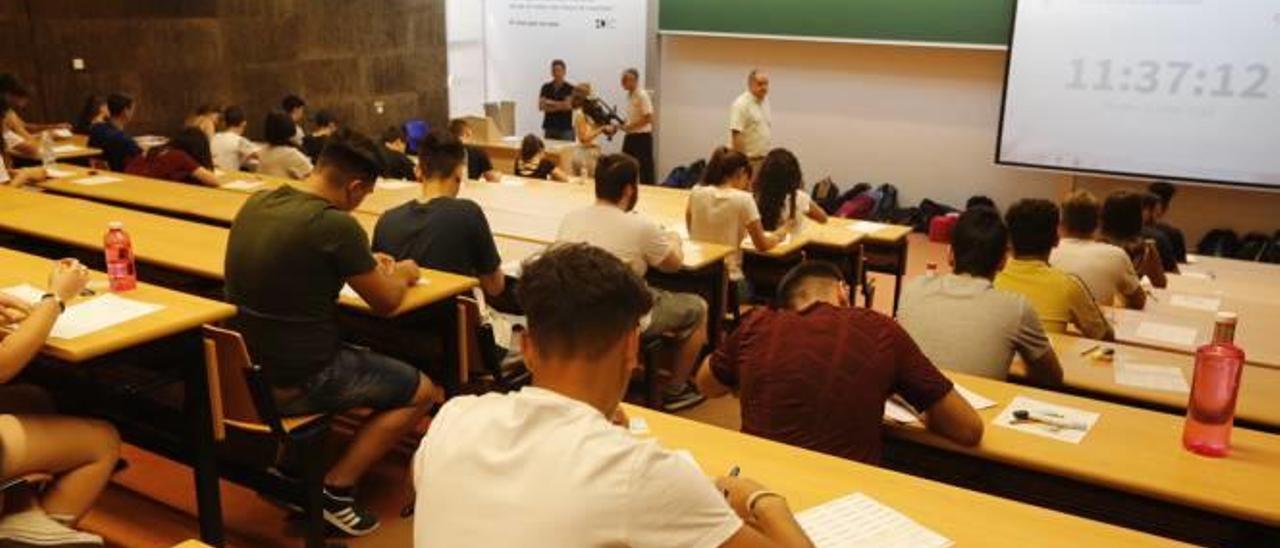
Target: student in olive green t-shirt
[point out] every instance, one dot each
(290, 252)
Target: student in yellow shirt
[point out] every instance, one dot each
(1059, 298)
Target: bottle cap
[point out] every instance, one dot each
(116, 225)
(1226, 317)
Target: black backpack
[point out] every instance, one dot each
(826, 194)
(928, 210)
(1219, 242)
(1273, 253)
(1254, 247)
(887, 206)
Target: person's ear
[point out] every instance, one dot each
(529, 350)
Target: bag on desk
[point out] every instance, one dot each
(1219, 242)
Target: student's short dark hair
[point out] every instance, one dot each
(559, 63)
(457, 126)
(979, 242)
(117, 103)
(325, 117)
(440, 154)
(797, 277)
(580, 300)
(348, 156)
(392, 134)
(195, 143)
(1165, 190)
(278, 129)
(1033, 226)
(724, 164)
(1081, 213)
(291, 102)
(530, 146)
(1122, 216)
(614, 173)
(233, 116)
(633, 72)
(1150, 200)
(980, 200)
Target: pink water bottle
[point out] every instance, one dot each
(1214, 386)
(119, 253)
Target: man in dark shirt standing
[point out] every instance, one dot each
(117, 146)
(555, 102)
(289, 253)
(438, 230)
(815, 372)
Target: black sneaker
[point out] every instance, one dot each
(342, 513)
(682, 398)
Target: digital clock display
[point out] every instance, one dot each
(1219, 80)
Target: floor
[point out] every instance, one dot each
(152, 502)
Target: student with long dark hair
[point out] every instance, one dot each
(533, 162)
(721, 210)
(779, 193)
(184, 159)
(281, 158)
(93, 112)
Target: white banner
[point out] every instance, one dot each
(597, 39)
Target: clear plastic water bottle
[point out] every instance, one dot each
(119, 254)
(47, 155)
(1211, 409)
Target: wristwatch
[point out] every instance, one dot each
(62, 307)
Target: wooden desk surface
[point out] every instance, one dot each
(1259, 399)
(1259, 322)
(174, 244)
(181, 312)
(808, 479)
(74, 148)
(170, 197)
(1132, 450)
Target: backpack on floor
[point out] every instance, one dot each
(826, 194)
(685, 176)
(930, 209)
(1273, 254)
(857, 207)
(1219, 242)
(886, 203)
(1253, 247)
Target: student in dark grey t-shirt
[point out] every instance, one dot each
(438, 230)
(289, 253)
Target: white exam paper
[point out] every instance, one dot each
(242, 185)
(88, 316)
(1165, 333)
(866, 226)
(394, 184)
(97, 180)
(63, 149)
(638, 426)
(1005, 419)
(861, 521)
(1153, 377)
(895, 412)
(1196, 302)
(55, 173)
(977, 401)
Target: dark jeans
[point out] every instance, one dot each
(640, 147)
(559, 134)
(357, 377)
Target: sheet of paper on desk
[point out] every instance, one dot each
(895, 412)
(866, 226)
(395, 184)
(243, 186)
(1154, 377)
(62, 133)
(1196, 302)
(977, 401)
(1196, 275)
(1165, 333)
(859, 520)
(1070, 435)
(63, 149)
(97, 180)
(56, 173)
(508, 180)
(88, 316)
(638, 426)
(747, 243)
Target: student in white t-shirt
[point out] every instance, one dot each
(555, 459)
(780, 195)
(612, 224)
(231, 150)
(281, 158)
(1104, 268)
(722, 211)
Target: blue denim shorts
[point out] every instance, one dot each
(357, 377)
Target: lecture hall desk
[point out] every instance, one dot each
(807, 479)
(179, 323)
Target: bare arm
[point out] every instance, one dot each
(1137, 300)
(768, 524)
(1046, 370)
(384, 287)
(16, 350)
(953, 418)
(816, 213)
(206, 177)
(736, 141)
(638, 122)
(707, 382)
(559, 175)
(493, 283)
(763, 241)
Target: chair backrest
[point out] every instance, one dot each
(230, 369)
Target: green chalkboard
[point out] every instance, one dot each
(964, 22)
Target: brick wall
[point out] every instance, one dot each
(173, 55)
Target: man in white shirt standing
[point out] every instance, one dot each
(230, 149)
(639, 128)
(554, 462)
(640, 242)
(750, 120)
